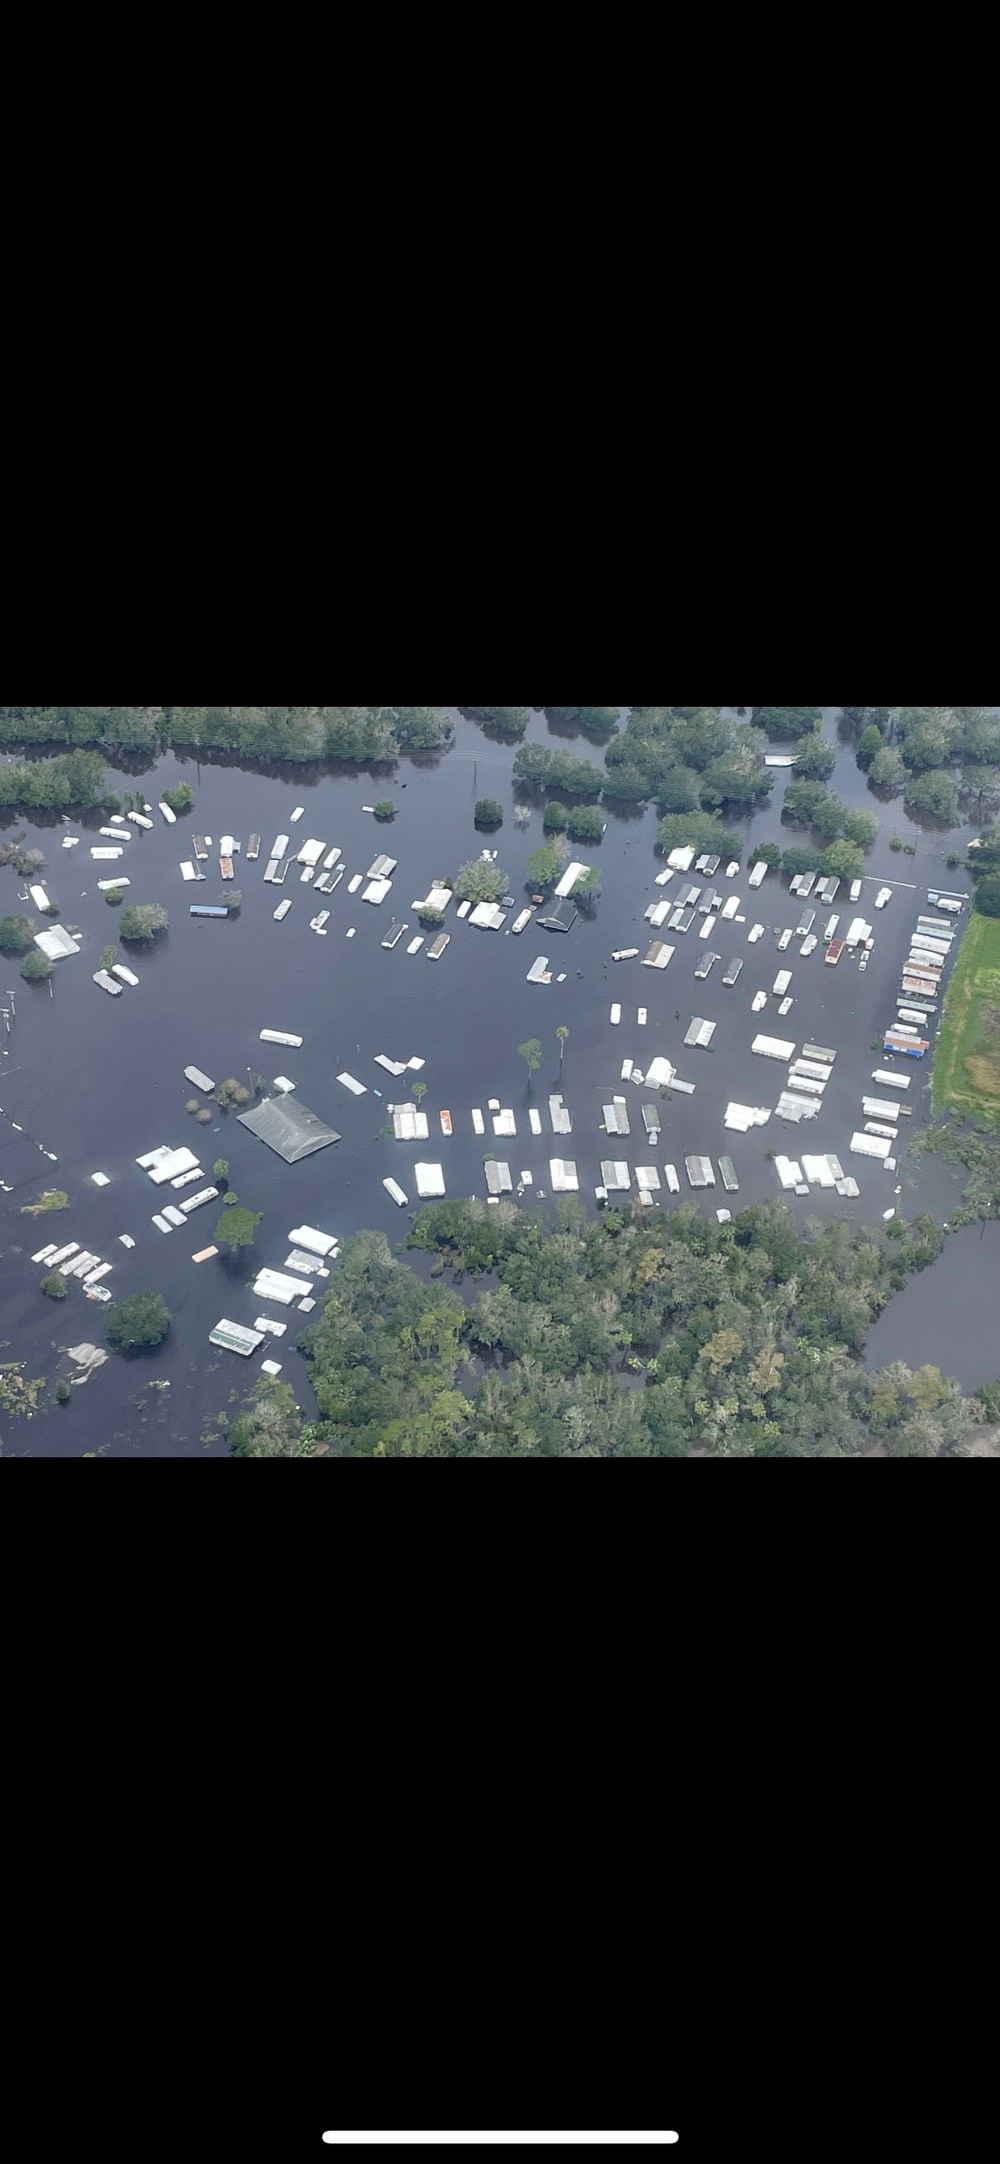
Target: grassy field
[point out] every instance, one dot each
(967, 1055)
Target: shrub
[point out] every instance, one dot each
(953, 857)
(584, 824)
(109, 956)
(54, 1286)
(431, 917)
(193, 1104)
(142, 1320)
(220, 1169)
(766, 853)
(230, 1200)
(896, 842)
(204, 1117)
(35, 967)
(385, 808)
(62, 1392)
(231, 1092)
(51, 909)
(555, 819)
(16, 934)
(115, 897)
(179, 799)
(909, 849)
(488, 812)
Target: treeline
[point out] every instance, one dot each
(745, 1337)
(687, 758)
(945, 759)
(72, 780)
(366, 734)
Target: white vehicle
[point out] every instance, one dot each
(809, 943)
(756, 933)
(759, 1000)
(785, 940)
(855, 894)
(883, 896)
(641, 1017)
(616, 1013)
(784, 1007)
(863, 964)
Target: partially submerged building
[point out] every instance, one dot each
(288, 1127)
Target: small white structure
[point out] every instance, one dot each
(392, 1187)
(376, 891)
(535, 1121)
(504, 1123)
(106, 886)
(647, 1177)
(274, 1285)
(438, 898)
(681, 860)
(429, 1179)
(278, 1036)
(660, 1073)
(318, 1243)
(699, 1033)
(559, 1116)
(164, 1164)
(658, 955)
(699, 1171)
(309, 853)
(107, 983)
(870, 1145)
(540, 973)
(127, 976)
(169, 816)
(488, 917)
(657, 913)
(616, 1013)
(102, 856)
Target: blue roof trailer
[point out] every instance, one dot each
(913, 1051)
(199, 909)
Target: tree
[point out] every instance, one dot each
(588, 882)
(562, 1033)
(696, 830)
(555, 818)
(531, 1053)
(988, 895)
(488, 812)
(868, 746)
(679, 789)
(801, 860)
(510, 721)
(419, 1091)
(54, 1285)
(220, 1169)
(787, 720)
(385, 808)
(115, 897)
(542, 768)
(231, 898)
(480, 882)
(143, 921)
(35, 967)
(766, 853)
(236, 1228)
(596, 720)
(543, 866)
(887, 770)
(179, 799)
(430, 917)
(270, 1424)
(17, 934)
(843, 860)
(808, 802)
(933, 791)
(584, 823)
(816, 758)
(109, 956)
(140, 1321)
(860, 827)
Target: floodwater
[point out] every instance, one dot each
(100, 1081)
(948, 1316)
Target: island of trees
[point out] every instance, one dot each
(367, 734)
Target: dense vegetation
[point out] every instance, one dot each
(541, 768)
(16, 934)
(936, 754)
(593, 720)
(743, 1338)
(687, 758)
(70, 781)
(365, 733)
(509, 721)
(35, 967)
(180, 799)
(480, 882)
(966, 1074)
(787, 720)
(488, 812)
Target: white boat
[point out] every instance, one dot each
(281, 912)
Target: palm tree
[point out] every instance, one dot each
(562, 1033)
(419, 1090)
(531, 1053)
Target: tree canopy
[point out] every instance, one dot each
(142, 1320)
(142, 921)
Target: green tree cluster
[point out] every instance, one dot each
(143, 1320)
(366, 734)
(509, 721)
(16, 934)
(142, 921)
(35, 967)
(75, 780)
(269, 1424)
(542, 768)
(180, 799)
(479, 881)
(488, 812)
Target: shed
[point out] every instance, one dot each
(437, 946)
(699, 1033)
(376, 891)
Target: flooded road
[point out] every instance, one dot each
(100, 1081)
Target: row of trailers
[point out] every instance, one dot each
(931, 942)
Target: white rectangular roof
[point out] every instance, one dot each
(562, 1176)
(660, 1073)
(170, 1164)
(559, 1115)
(681, 860)
(309, 853)
(274, 1285)
(56, 943)
(358, 1089)
(773, 1048)
(817, 1172)
(504, 1123)
(488, 916)
(409, 1124)
(870, 1146)
(647, 1177)
(658, 956)
(429, 1179)
(319, 1243)
(569, 878)
(615, 1174)
(376, 891)
(438, 898)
